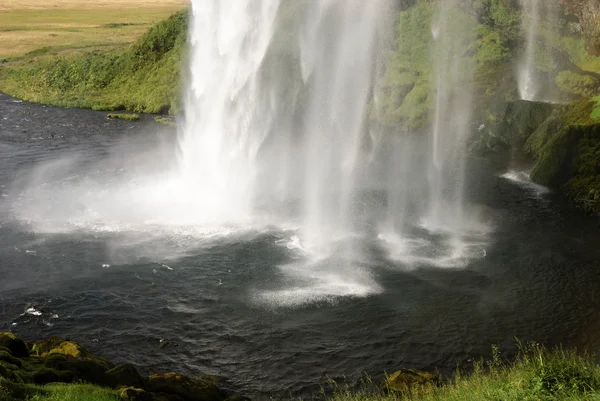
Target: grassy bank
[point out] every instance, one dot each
(115, 64)
(62, 370)
(537, 374)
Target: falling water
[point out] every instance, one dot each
(237, 130)
(527, 68)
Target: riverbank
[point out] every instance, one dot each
(58, 370)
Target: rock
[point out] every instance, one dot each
(88, 370)
(57, 346)
(125, 375)
(16, 346)
(7, 357)
(41, 348)
(45, 376)
(185, 387)
(135, 394)
(404, 379)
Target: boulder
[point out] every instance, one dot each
(405, 379)
(45, 376)
(135, 394)
(41, 348)
(16, 346)
(187, 388)
(88, 370)
(125, 375)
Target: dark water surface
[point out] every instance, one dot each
(539, 280)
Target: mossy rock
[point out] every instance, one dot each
(8, 372)
(56, 346)
(41, 348)
(45, 376)
(6, 357)
(185, 387)
(405, 379)
(125, 375)
(88, 370)
(16, 346)
(551, 168)
(135, 394)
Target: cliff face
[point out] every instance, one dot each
(558, 130)
(587, 13)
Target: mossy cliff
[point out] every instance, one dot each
(27, 369)
(559, 131)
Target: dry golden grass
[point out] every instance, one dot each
(69, 24)
(6, 5)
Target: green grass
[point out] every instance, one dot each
(75, 392)
(145, 77)
(56, 392)
(129, 117)
(537, 374)
(29, 25)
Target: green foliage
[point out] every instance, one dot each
(75, 392)
(595, 114)
(577, 84)
(129, 117)
(143, 78)
(537, 374)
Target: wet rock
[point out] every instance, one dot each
(125, 375)
(16, 346)
(187, 388)
(405, 379)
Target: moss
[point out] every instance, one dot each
(551, 169)
(16, 346)
(536, 141)
(129, 117)
(8, 358)
(45, 376)
(165, 121)
(405, 380)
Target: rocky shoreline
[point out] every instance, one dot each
(25, 367)
(55, 360)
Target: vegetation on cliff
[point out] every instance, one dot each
(144, 77)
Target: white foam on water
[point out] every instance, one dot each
(523, 179)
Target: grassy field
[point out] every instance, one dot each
(106, 55)
(67, 25)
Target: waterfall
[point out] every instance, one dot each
(249, 140)
(528, 85)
